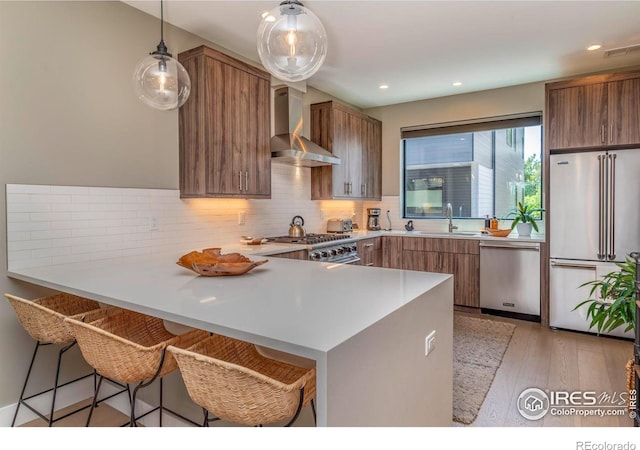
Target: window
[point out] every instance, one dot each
(482, 168)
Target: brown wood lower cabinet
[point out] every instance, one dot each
(459, 257)
(466, 282)
(298, 254)
(392, 252)
(370, 252)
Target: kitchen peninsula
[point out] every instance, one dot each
(364, 327)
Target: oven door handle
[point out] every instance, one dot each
(348, 260)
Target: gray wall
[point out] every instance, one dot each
(68, 115)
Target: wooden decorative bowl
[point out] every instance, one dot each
(225, 269)
(499, 233)
(211, 263)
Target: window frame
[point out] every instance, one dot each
(512, 121)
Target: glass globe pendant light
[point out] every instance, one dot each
(160, 80)
(292, 43)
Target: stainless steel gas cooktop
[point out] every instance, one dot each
(309, 239)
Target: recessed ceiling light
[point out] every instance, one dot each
(384, 86)
(457, 83)
(594, 47)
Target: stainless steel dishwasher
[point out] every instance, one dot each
(510, 279)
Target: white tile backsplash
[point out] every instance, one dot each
(28, 189)
(392, 204)
(62, 224)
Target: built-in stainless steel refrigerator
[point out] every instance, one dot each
(594, 208)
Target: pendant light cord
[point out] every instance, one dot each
(161, 21)
(162, 48)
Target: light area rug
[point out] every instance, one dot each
(478, 348)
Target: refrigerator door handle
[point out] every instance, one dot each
(573, 266)
(601, 218)
(612, 206)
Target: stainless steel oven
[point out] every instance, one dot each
(333, 248)
(342, 253)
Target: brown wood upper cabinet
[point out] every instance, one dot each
(357, 140)
(224, 128)
(594, 112)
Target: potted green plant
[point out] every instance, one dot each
(524, 218)
(618, 290)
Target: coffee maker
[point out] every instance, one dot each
(373, 220)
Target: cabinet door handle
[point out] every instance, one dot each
(611, 133)
(365, 189)
(602, 132)
(350, 188)
(368, 245)
(246, 181)
(369, 264)
(240, 179)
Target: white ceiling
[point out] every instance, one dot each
(420, 48)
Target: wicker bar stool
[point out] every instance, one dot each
(231, 380)
(43, 319)
(131, 347)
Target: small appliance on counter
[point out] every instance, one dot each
(339, 226)
(296, 229)
(373, 219)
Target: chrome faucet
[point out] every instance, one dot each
(450, 217)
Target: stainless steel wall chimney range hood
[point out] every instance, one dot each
(288, 146)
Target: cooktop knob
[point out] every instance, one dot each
(326, 254)
(315, 255)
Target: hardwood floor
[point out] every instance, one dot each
(536, 357)
(103, 416)
(555, 360)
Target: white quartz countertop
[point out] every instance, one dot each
(271, 248)
(288, 305)
(363, 234)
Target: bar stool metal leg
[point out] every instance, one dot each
(55, 386)
(23, 400)
(26, 381)
(96, 402)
